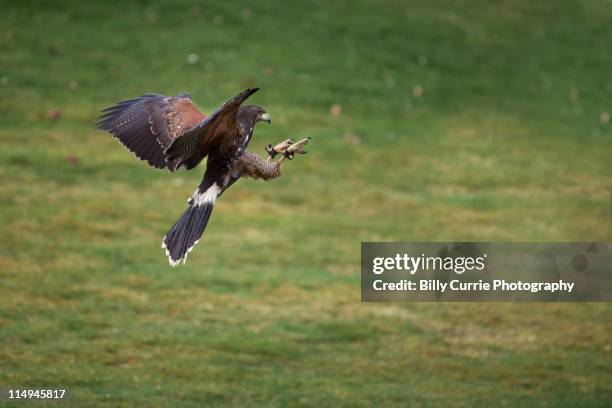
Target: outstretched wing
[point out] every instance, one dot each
(217, 130)
(149, 124)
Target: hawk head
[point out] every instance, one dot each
(248, 116)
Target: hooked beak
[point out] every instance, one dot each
(266, 118)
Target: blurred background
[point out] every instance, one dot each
(431, 121)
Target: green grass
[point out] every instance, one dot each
(505, 142)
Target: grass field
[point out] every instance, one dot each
(469, 120)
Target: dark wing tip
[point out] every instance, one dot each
(250, 91)
(242, 96)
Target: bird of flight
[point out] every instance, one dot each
(170, 132)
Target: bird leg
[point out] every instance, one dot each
(253, 166)
(297, 147)
(288, 148)
(279, 148)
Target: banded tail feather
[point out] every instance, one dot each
(188, 230)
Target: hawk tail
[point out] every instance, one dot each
(186, 232)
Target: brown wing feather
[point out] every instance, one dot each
(129, 122)
(216, 130)
(171, 131)
(174, 118)
(149, 124)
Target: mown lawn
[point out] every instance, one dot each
(471, 120)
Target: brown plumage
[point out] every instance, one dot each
(253, 166)
(170, 132)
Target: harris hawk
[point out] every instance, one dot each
(169, 132)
